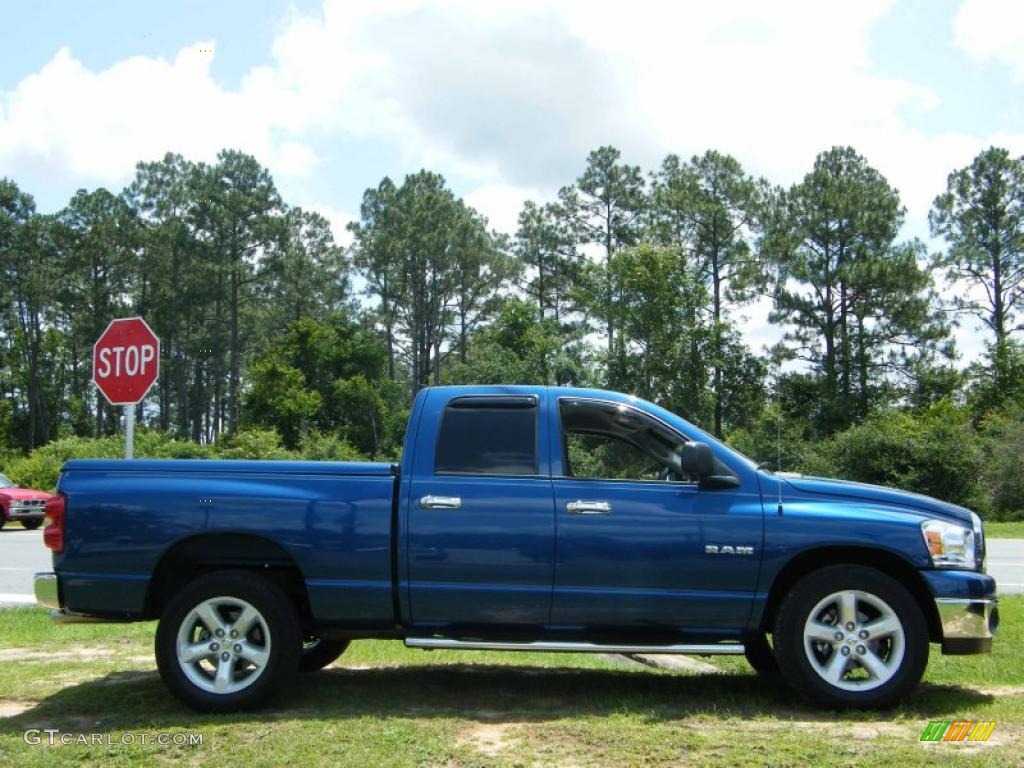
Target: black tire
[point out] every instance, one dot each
(317, 653)
(3, 520)
(903, 652)
(761, 657)
(280, 644)
(31, 525)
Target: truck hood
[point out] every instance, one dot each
(851, 490)
(22, 494)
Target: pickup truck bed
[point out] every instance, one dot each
(333, 517)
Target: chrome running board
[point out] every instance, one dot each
(710, 649)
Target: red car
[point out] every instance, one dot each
(21, 505)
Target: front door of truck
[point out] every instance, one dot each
(638, 545)
(481, 529)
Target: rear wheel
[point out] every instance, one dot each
(317, 653)
(851, 636)
(228, 641)
(31, 524)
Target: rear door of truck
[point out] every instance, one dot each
(480, 512)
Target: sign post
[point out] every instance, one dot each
(125, 363)
(129, 431)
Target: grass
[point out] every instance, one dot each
(1014, 530)
(383, 704)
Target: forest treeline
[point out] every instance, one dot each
(629, 279)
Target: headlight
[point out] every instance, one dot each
(950, 545)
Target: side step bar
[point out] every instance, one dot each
(710, 649)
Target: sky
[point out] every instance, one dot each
(506, 99)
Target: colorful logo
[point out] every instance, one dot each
(958, 730)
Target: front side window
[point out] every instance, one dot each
(488, 436)
(608, 441)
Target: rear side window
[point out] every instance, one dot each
(485, 436)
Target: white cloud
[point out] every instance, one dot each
(511, 95)
(339, 221)
(752, 319)
(98, 125)
(507, 97)
(501, 203)
(992, 30)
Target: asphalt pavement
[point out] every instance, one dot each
(1005, 561)
(22, 554)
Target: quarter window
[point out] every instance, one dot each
(488, 436)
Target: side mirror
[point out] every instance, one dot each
(697, 459)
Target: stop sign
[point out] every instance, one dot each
(126, 360)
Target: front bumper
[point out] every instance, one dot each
(968, 624)
(966, 608)
(26, 513)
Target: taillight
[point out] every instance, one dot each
(53, 533)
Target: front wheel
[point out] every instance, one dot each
(31, 525)
(851, 636)
(227, 642)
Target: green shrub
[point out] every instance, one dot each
(254, 443)
(934, 452)
(1002, 441)
(154, 444)
(41, 468)
(767, 440)
(317, 446)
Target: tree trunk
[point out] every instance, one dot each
(862, 360)
(165, 383)
(389, 334)
(716, 282)
(234, 353)
(608, 299)
(198, 400)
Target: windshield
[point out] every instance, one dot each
(5, 483)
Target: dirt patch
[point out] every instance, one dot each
(847, 730)
(490, 739)
(1000, 690)
(13, 707)
(83, 654)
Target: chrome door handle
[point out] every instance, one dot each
(440, 502)
(588, 508)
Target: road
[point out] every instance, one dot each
(1006, 564)
(22, 554)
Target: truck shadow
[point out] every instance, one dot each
(484, 693)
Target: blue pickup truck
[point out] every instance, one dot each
(520, 518)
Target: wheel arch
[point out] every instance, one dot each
(887, 562)
(203, 553)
